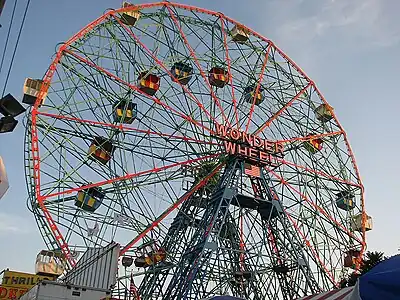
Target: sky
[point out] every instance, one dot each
(349, 48)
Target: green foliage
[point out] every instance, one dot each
(369, 261)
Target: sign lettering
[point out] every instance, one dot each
(15, 284)
(240, 143)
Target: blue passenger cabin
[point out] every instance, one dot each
(125, 112)
(250, 93)
(345, 200)
(90, 199)
(182, 72)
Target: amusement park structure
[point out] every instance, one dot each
(202, 149)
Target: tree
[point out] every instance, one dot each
(370, 260)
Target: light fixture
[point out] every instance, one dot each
(7, 124)
(9, 106)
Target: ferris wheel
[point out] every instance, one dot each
(202, 149)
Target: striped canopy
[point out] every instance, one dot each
(341, 294)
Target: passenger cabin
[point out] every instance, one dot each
(32, 89)
(267, 209)
(239, 34)
(127, 261)
(324, 112)
(182, 72)
(241, 278)
(350, 259)
(101, 150)
(150, 254)
(282, 268)
(228, 230)
(218, 77)
(313, 145)
(130, 17)
(149, 83)
(250, 94)
(50, 263)
(356, 223)
(90, 199)
(345, 200)
(125, 112)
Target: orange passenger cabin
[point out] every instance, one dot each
(345, 200)
(218, 77)
(182, 72)
(149, 83)
(250, 94)
(125, 112)
(89, 199)
(130, 17)
(313, 145)
(324, 113)
(101, 150)
(32, 88)
(50, 263)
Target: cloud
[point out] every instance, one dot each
(357, 23)
(11, 224)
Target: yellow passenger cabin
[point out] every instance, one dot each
(182, 72)
(148, 83)
(130, 17)
(239, 34)
(50, 263)
(125, 112)
(250, 94)
(89, 199)
(32, 88)
(324, 112)
(218, 77)
(101, 150)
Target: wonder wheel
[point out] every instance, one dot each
(202, 149)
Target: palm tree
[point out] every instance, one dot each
(370, 260)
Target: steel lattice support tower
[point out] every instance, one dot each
(216, 241)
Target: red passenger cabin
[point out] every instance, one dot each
(149, 83)
(218, 77)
